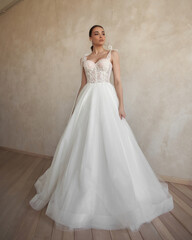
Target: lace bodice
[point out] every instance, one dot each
(99, 71)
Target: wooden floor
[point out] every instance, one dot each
(18, 220)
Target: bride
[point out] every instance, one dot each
(99, 177)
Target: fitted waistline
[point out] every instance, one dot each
(100, 82)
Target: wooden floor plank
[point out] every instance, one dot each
(56, 234)
(121, 234)
(190, 187)
(4, 156)
(83, 234)
(20, 178)
(44, 228)
(183, 217)
(180, 195)
(68, 235)
(162, 230)
(181, 203)
(30, 217)
(184, 189)
(177, 230)
(101, 234)
(149, 232)
(9, 174)
(135, 235)
(14, 192)
(17, 208)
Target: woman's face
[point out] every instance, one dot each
(98, 36)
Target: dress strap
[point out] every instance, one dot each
(109, 54)
(110, 49)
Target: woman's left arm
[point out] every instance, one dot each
(117, 82)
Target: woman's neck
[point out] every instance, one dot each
(98, 50)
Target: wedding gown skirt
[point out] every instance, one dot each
(99, 177)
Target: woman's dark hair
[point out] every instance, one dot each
(90, 32)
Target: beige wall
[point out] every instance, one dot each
(41, 43)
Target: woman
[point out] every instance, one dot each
(99, 177)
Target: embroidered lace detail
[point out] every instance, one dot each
(99, 71)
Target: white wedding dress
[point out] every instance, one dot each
(99, 177)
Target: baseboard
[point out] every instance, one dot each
(172, 179)
(26, 152)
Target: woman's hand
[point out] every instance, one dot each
(122, 112)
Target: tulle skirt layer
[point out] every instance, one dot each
(99, 177)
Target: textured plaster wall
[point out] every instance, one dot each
(41, 43)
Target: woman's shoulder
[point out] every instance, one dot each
(83, 58)
(114, 53)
